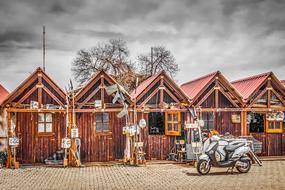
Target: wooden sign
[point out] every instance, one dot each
(74, 132)
(65, 143)
(191, 125)
(98, 104)
(235, 118)
(13, 141)
(138, 144)
(279, 116)
(34, 105)
(201, 123)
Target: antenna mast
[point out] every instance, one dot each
(44, 48)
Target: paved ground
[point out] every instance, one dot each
(157, 176)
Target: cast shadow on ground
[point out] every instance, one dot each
(213, 173)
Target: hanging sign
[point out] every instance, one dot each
(280, 116)
(74, 132)
(201, 123)
(142, 123)
(235, 118)
(191, 125)
(131, 130)
(34, 105)
(65, 143)
(13, 141)
(138, 144)
(98, 104)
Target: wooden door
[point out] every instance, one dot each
(274, 131)
(25, 131)
(96, 145)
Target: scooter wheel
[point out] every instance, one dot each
(245, 168)
(203, 167)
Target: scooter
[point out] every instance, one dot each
(220, 152)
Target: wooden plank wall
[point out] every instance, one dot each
(272, 144)
(223, 123)
(103, 146)
(158, 147)
(35, 147)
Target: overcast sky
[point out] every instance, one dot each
(237, 37)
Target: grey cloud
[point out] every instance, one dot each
(17, 39)
(235, 36)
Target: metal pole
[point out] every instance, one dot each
(44, 48)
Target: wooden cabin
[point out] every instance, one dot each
(159, 101)
(35, 110)
(3, 121)
(100, 130)
(264, 97)
(217, 103)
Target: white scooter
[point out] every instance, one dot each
(224, 153)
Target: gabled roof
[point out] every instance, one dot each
(83, 88)
(3, 93)
(283, 82)
(247, 86)
(142, 86)
(30, 79)
(194, 87)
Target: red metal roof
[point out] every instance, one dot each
(248, 85)
(283, 82)
(143, 85)
(3, 93)
(194, 87)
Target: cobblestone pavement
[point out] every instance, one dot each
(158, 176)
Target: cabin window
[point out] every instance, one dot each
(274, 126)
(172, 123)
(256, 122)
(45, 123)
(208, 118)
(156, 123)
(102, 122)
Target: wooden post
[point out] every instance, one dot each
(40, 89)
(216, 113)
(269, 93)
(9, 158)
(102, 90)
(243, 121)
(161, 92)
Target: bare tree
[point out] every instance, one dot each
(158, 59)
(112, 57)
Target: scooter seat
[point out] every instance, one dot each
(233, 147)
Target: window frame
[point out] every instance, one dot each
(172, 122)
(102, 122)
(156, 120)
(208, 121)
(274, 130)
(45, 122)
